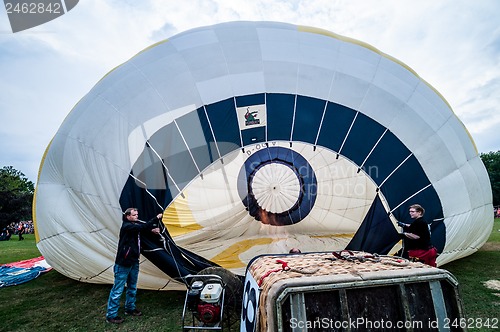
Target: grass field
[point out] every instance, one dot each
(54, 302)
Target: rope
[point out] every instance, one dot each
(301, 270)
(384, 259)
(285, 267)
(395, 261)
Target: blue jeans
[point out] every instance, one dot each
(128, 275)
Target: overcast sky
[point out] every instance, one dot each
(452, 44)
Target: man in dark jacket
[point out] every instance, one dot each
(126, 268)
(417, 237)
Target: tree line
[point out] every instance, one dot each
(491, 161)
(16, 196)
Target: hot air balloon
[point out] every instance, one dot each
(253, 138)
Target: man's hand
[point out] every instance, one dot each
(156, 230)
(159, 216)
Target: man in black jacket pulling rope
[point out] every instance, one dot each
(126, 268)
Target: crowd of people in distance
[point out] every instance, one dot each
(17, 228)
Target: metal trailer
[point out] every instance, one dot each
(348, 291)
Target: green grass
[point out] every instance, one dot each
(15, 250)
(472, 271)
(54, 302)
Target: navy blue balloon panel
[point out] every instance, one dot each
(308, 114)
(386, 157)
(376, 234)
(336, 123)
(361, 139)
(279, 116)
(223, 121)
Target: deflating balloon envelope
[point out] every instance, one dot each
(252, 138)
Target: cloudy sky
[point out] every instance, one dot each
(44, 71)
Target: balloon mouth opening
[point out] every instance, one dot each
(279, 187)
